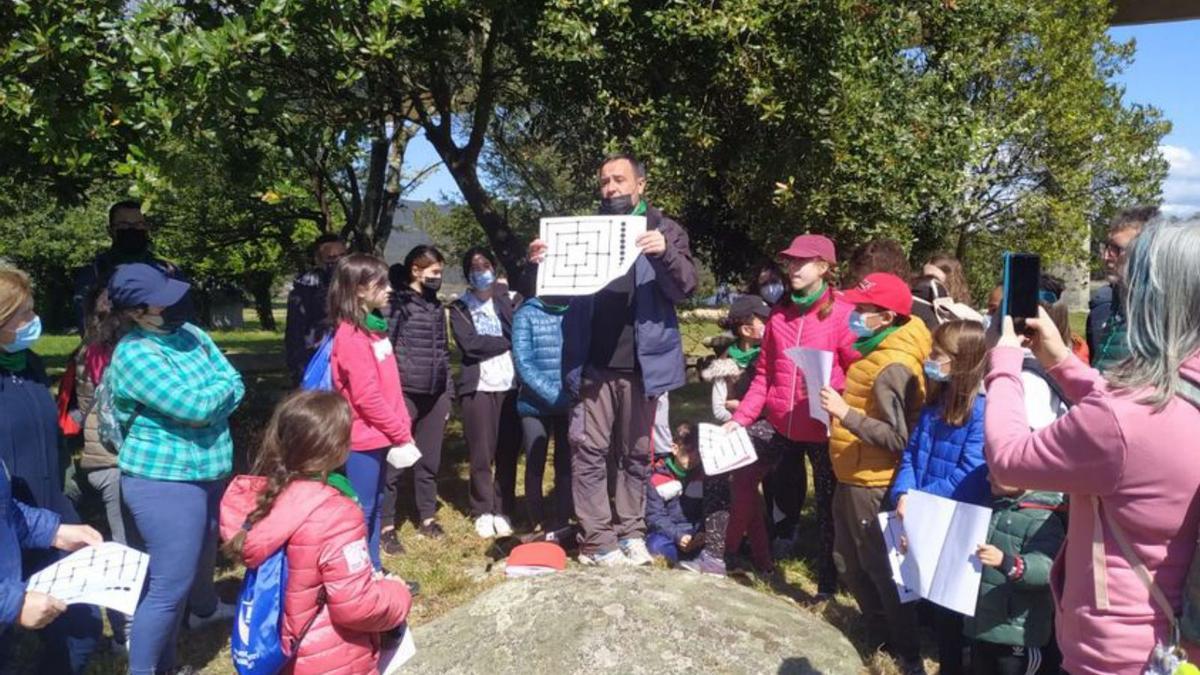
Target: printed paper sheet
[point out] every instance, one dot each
(585, 253)
(109, 575)
(722, 452)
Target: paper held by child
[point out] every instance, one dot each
(817, 366)
(395, 653)
(721, 452)
(940, 563)
(109, 575)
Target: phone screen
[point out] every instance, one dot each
(1022, 276)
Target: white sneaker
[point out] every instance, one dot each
(224, 612)
(485, 526)
(502, 526)
(635, 551)
(613, 558)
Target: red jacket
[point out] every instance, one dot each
(778, 385)
(327, 546)
(367, 376)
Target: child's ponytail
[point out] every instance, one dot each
(308, 437)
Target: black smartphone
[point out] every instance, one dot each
(1022, 277)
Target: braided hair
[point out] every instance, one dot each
(308, 437)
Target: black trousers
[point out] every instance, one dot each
(493, 432)
(536, 433)
(993, 659)
(429, 413)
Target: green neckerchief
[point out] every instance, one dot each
(640, 209)
(805, 302)
(15, 362)
(679, 473)
(375, 323)
(743, 357)
(868, 344)
(554, 309)
(342, 485)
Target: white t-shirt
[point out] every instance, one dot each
(496, 373)
(1042, 405)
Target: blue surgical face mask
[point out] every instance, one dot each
(933, 371)
(482, 280)
(859, 325)
(987, 322)
(771, 293)
(26, 336)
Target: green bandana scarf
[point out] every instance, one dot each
(743, 357)
(375, 323)
(679, 473)
(640, 209)
(867, 345)
(342, 485)
(805, 302)
(14, 362)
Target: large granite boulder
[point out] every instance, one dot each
(629, 620)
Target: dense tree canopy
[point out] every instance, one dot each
(951, 125)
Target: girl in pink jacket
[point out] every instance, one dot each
(295, 499)
(365, 373)
(810, 316)
(1125, 453)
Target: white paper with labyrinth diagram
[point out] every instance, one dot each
(110, 575)
(585, 253)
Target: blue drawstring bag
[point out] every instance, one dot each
(257, 642)
(318, 375)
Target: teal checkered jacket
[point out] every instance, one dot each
(173, 395)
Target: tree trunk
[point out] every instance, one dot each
(260, 284)
(504, 242)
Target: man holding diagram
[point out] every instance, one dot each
(621, 351)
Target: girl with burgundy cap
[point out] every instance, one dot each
(811, 316)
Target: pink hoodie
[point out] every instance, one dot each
(1144, 469)
(778, 385)
(365, 373)
(327, 546)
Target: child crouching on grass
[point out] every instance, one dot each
(1015, 614)
(675, 500)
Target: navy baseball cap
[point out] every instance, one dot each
(745, 307)
(139, 284)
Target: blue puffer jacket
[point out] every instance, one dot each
(945, 460)
(537, 341)
(21, 527)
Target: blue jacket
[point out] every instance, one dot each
(944, 460)
(677, 516)
(21, 527)
(661, 282)
(30, 441)
(537, 340)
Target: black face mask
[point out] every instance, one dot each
(130, 242)
(177, 314)
(621, 205)
(432, 285)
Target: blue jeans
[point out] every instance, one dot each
(177, 521)
(661, 545)
(366, 472)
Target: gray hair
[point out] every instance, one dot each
(1162, 306)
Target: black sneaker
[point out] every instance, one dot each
(390, 543)
(431, 530)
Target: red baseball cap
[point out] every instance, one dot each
(882, 290)
(811, 246)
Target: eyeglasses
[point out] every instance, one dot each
(1110, 248)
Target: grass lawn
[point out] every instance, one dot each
(461, 566)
